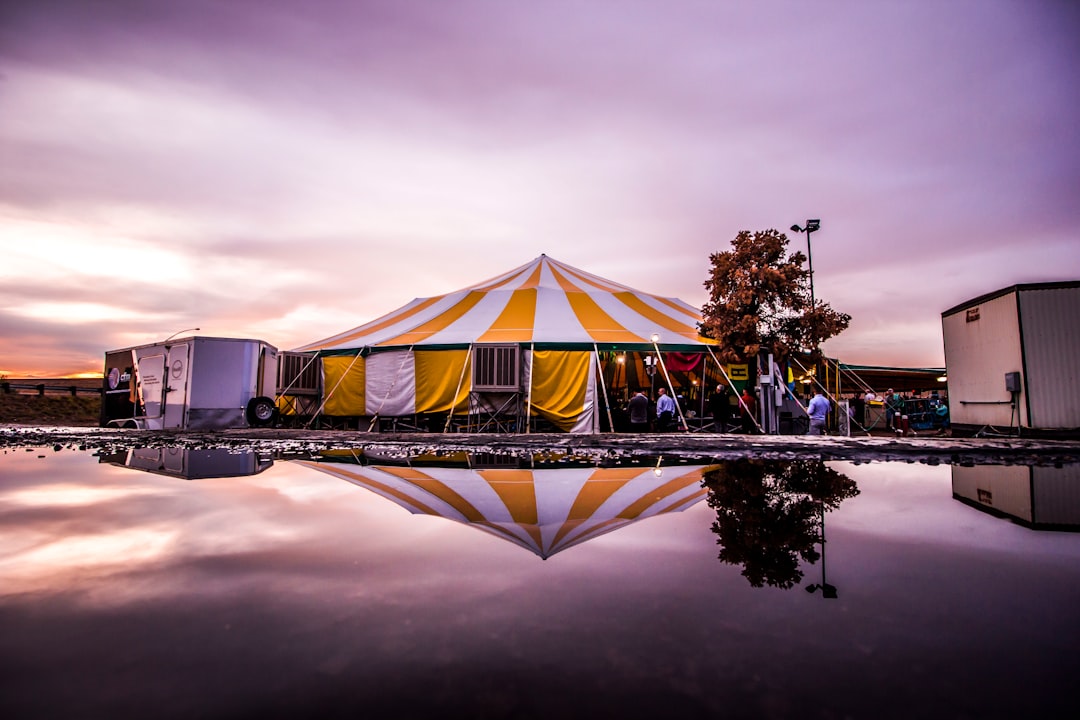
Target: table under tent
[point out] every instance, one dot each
(543, 347)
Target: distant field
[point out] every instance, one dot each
(23, 405)
(81, 382)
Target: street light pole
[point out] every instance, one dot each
(811, 226)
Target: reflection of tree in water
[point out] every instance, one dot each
(769, 514)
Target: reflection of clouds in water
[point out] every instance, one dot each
(122, 522)
(303, 487)
(70, 495)
(42, 557)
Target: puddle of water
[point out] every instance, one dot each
(180, 582)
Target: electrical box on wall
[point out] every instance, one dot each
(1012, 382)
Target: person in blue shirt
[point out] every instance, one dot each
(818, 410)
(665, 411)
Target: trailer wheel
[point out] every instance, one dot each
(261, 412)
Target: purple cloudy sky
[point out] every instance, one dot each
(287, 170)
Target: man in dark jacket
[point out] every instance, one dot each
(638, 409)
(721, 408)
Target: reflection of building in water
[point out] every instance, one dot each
(1044, 498)
(542, 510)
(192, 464)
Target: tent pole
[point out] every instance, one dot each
(528, 394)
(461, 379)
(603, 387)
(734, 389)
(672, 389)
(330, 394)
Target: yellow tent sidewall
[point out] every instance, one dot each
(344, 385)
(560, 383)
(438, 374)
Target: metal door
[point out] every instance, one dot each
(176, 386)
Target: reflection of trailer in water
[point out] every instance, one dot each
(192, 464)
(191, 383)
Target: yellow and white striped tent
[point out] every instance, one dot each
(556, 319)
(542, 510)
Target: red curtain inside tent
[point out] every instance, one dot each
(683, 362)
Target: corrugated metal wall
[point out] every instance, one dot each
(1050, 323)
(978, 353)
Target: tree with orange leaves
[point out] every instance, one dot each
(760, 300)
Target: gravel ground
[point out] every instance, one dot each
(284, 442)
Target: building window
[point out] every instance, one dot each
(495, 368)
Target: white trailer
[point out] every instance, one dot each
(191, 383)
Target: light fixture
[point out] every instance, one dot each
(655, 338)
(943, 378)
(178, 332)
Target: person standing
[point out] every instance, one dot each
(857, 408)
(721, 408)
(638, 408)
(894, 407)
(747, 411)
(665, 411)
(818, 410)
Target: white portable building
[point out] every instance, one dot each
(1010, 358)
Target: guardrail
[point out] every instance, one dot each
(40, 389)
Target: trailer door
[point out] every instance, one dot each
(151, 371)
(176, 387)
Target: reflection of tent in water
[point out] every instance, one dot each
(1040, 497)
(192, 464)
(543, 510)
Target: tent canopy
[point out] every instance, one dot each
(544, 302)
